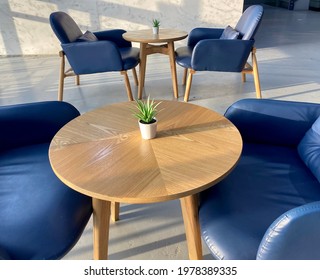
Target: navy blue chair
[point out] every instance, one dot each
(40, 217)
(92, 52)
(268, 207)
(224, 50)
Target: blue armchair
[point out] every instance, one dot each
(92, 52)
(268, 207)
(225, 50)
(40, 217)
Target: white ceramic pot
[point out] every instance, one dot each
(155, 30)
(148, 130)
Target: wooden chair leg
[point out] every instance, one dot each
(188, 86)
(115, 210)
(135, 77)
(256, 74)
(246, 70)
(62, 75)
(184, 79)
(127, 83)
(243, 77)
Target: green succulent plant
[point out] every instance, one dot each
(156, 22)
(146, 111)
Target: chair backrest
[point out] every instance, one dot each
(64, 27)
(249, 22)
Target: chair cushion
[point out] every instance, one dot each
(40, 217)
(309, 149)
(268, 181)
(88, 36)
(229, 33)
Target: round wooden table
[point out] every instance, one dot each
(151, 43)
(101, 154)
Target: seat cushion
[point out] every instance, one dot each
(40, 217)
(309, 149)
(268, 181)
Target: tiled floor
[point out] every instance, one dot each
(288, 44)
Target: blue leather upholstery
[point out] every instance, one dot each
(114, 35)
(93, 57)
(64, 27)
(269, 205)
(217, 54)
(294, 235)
(264, 121)
(249, 22)
(220, 55)
(40, 217)
(206, 51)
(309, 149)
(110, 52)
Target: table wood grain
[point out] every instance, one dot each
(101, 154)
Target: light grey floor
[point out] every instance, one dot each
(288, 55)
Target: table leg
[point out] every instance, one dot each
(142, 68)
(172, 57)
(189, 207)
(115, 211)
(101, 222)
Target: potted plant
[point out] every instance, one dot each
(146, 112)
(155, 26)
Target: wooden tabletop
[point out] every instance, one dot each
(146, 36)
(102, 154)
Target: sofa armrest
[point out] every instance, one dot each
(114, 35)
(294, 235)
(33, 123)
(202, 33)
(93, 57)
(274, 122)
(221, 55)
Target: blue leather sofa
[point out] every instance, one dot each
(269, 206)
(40, 217)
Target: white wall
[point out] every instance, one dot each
(25, 28)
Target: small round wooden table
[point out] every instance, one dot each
(101, 154)
(151, 43)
